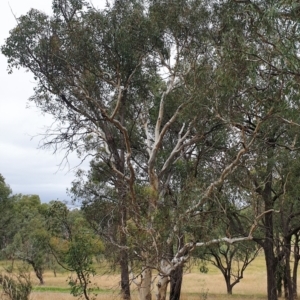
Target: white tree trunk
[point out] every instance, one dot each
(162, 286)
(145, 285)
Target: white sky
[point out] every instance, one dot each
(27, 169)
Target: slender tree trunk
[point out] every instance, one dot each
(286, 289)
(295, 277)
(228, 286)
(295, 267)
(12, 263)
(125, 285)
(279, 279)
(37, 270)
(84, 282)
(271, 268)
(123, 254)
(271, 262)
(121, 186)
(288, 279)
(226, 274)
(39, 274)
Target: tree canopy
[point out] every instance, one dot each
(188, 108)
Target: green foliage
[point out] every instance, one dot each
(30, 237)
(6, 213)
(74, 246)
(189, 110)
(203, 269)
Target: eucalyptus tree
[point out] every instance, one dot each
(30, 238)
(147, 87)
(231, 260)
(251, 180)
(287, 224)
(268, 36)
(6, 213)
(74, 246)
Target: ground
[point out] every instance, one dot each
(195, 285)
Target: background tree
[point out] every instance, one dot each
(6, 213)
(30, 239)
(231, 260)
(74, 246)
(287, 226)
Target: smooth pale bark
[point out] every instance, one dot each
(162, 286)
(144, 287)
(295, 267)
(177, 263)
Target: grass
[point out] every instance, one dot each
(51, 289)
(55, 289)
(196, 286)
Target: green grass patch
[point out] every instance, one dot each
(51, 289)
(64, 290)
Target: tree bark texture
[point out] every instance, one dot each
(268, 246)
(296, 264)
(270, 258)
(125, 285)
(162, 286)
(176, 283)
(144, 288)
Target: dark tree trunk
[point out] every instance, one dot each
(37, 270)
(268, 245)
(271, 260)
(125, 286)
(286, 288)
(228, 285)
(287, 278)
(123, 254)
(280, 275)
(39, 274)
(271, 268)
(121, 187)
(226, 273)
(176, 275)
(175, 283)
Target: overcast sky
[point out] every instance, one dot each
(27, 169)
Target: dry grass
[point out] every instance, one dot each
(254, 281)
(196, 286)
